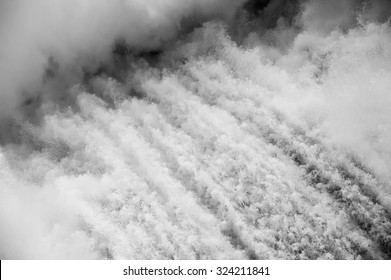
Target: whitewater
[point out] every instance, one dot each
(217, 149)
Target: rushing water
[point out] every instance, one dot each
(228, 151)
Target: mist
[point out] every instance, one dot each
(195, 129)
(80, 35)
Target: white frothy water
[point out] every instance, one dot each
(229, 152)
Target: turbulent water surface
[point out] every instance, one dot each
(275, 145)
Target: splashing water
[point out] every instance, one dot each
(229, 152)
